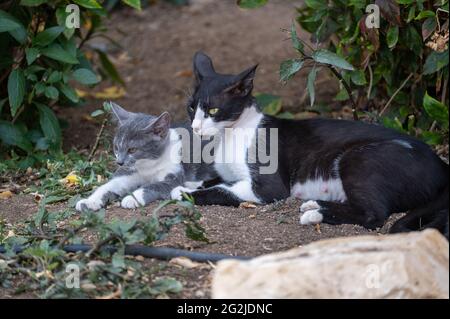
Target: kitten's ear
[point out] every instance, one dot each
(243, 83)
(203, 66)
(120, 114)
(160, 127)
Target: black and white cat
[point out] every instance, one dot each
(349, 172)
(149, 154)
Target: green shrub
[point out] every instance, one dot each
(400, 68)
(396, 74)
(40, 59)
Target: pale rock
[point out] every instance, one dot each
(412, 265)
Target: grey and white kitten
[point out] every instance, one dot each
(148, 152)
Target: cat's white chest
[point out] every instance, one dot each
(231, 157)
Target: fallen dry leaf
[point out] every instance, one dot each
(112, 92)
(6, 195)
(71, 180)
(184, 74)
(247, 205)
(317, 227)
(184, 262)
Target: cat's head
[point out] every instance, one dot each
(219, 99)
(139, 136)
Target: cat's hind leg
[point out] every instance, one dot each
(315, 212)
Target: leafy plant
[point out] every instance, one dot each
(41, 57)
(396, 74)
(105, 271)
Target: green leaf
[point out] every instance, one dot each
(270, 104)
(56, 52)
(89, 4)
(85, 76)
(47, 36)
(392, 36)
(405, 1)
(97, 113)
(431, 138)
(61, 16)
(51, 92)
(316, 4)
(436, 110)
(413, 40)
(32, 54)
(32, 3)
(425, 14)
(69, 92)
(435, 61)
(327, 57)
(133, 3)
(49, 124)
(358, 77)
(166, 285)
(54, 77)
(2, 103)
(296, 43)
(251, 4)
(342, 95)
(8, 22)
(10, 134)
(109, 68)
(310, 85)
(16, 89)
(118, 260)
(289, 68)
(428, 27)
(411, 14)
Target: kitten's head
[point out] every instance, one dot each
(219, 99)
(139, 136)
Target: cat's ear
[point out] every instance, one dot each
(243, 83)
(160, 127)
(203, 66)
(120, 114)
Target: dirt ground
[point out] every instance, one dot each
(159, 43)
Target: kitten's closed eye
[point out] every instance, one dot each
(132, 150)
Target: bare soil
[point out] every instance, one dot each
(158, 45)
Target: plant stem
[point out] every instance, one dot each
(348, 89)
(97, 139)
(395, 94)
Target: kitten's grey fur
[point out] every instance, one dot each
(148, 153)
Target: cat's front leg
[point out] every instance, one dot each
(222, 194)
(116, 187)
(151, 192)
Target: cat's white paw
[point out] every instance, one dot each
(309, 205)
(176, 193)
(133, 201)
(89, 204)
(311, 217)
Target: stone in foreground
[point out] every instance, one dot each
(412, 265)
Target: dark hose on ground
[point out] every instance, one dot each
(162, 253)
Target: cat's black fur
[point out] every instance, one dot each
(382, 171)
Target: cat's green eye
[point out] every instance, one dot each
(132, 150)
(213, 111)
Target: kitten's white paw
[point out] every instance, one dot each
(89, 204)
(309, 205)
(311, 217)
(133, 201)
(176, 193)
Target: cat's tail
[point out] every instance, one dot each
(433, 215)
